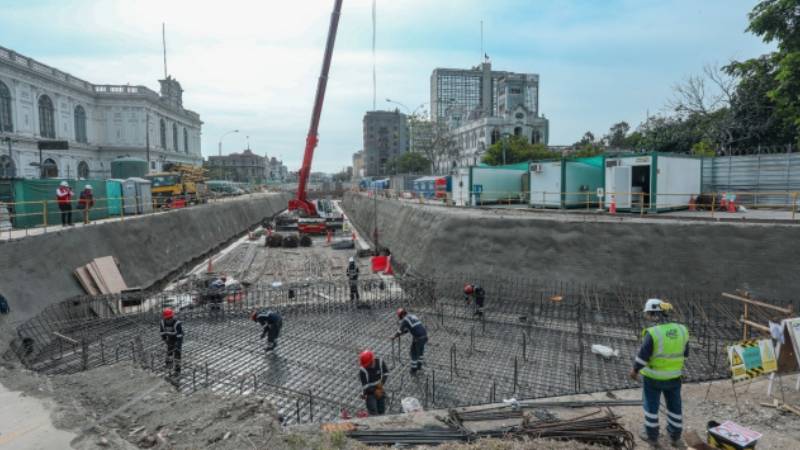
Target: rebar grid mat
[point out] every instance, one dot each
(534, 341)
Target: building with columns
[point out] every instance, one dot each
(99, 122)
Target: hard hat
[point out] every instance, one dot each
(401, 312)
(469, 289)
(168, 314)
(653, 305)
(88, 186)
(366, 358)
(64, 183)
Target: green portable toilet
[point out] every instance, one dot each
(114, 196)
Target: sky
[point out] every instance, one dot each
(253, 65)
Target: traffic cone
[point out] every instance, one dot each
(210, 266)
(328, 237)
(613, 207)
(692, 204)
(354, 235)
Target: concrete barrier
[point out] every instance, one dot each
(650, 253)
(38, 271)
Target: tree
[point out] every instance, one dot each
(617, 134)
(703, 148)
(517, 149)
(408, 162)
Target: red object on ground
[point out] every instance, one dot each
(613, 208)
(354, 235)
(361, 414)
(210, 266)
(178, 203)
(328, 237)
(389, 270)
(379, 263)
(731, 206)
(692, 204)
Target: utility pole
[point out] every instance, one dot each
(10, 157)
(147, 138)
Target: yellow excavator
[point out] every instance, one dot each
(178, 185)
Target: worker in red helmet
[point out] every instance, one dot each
(410, 323)
(476, 291)
(373, 376)
(172, 335)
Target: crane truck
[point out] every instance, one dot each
(305, 211)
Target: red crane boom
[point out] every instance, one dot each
(300, 203)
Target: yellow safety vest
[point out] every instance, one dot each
(669, 346)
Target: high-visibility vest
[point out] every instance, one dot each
(669, 347)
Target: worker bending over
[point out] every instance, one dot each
(373, 376)
(352, 277)
(475, 290)
(172, 335)
(271, 322)
(409, 323)
(661, 358)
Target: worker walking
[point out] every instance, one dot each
(172, 335)
(352, 277)
(409, 323)
(64, 200)
(661, 358)
(475, 290)
(86, 202)
(373, 376)
(271, 322)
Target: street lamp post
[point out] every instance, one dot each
(505, 142)
(222, 137)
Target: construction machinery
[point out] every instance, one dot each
(301, 209)
(178, 184)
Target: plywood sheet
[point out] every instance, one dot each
(112, 278)
(86, 281)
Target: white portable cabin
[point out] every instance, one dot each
(568, 183)
(653, 181)
(476, 185)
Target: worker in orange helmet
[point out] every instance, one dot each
(172, 335)
(373, 376)
(476, 291)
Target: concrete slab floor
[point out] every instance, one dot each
(25, 423)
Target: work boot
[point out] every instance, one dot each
(676, 442)
(413, 371)
(653, 441)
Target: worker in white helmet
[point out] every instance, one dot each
(665, 347)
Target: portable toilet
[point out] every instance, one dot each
(114, 196)
(144, 196)
(129, 196)
(566, 183)
(653, 181)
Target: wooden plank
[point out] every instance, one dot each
(94, 271)
(110, 273)
(754, 325)
(758, 303)
(86, 281)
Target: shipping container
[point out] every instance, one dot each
(568, 183)
(653, 181)
(403, 183)
(479, 185)
(425, 186)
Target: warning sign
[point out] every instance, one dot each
(751, 359)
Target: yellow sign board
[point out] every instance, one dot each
(751, 359)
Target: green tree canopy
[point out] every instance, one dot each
(517, 149)
(409, 162)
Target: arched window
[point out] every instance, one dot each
(174, 137)
(83, 170)
(517, 131)
(163, 134)
(185, 141)
(49, 169)
(80, 124)
(6, 167)
(47, 124)
(535, 137)
(5, 109)
(495, 136)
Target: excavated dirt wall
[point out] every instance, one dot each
(594, 249)
(37, 271)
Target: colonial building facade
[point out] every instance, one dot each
(99, 122)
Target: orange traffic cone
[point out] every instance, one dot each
(692, 203)
(613, 207)
(210, 266)
(354, 235)
(328, 237)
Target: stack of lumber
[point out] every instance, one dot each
(101, 277)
